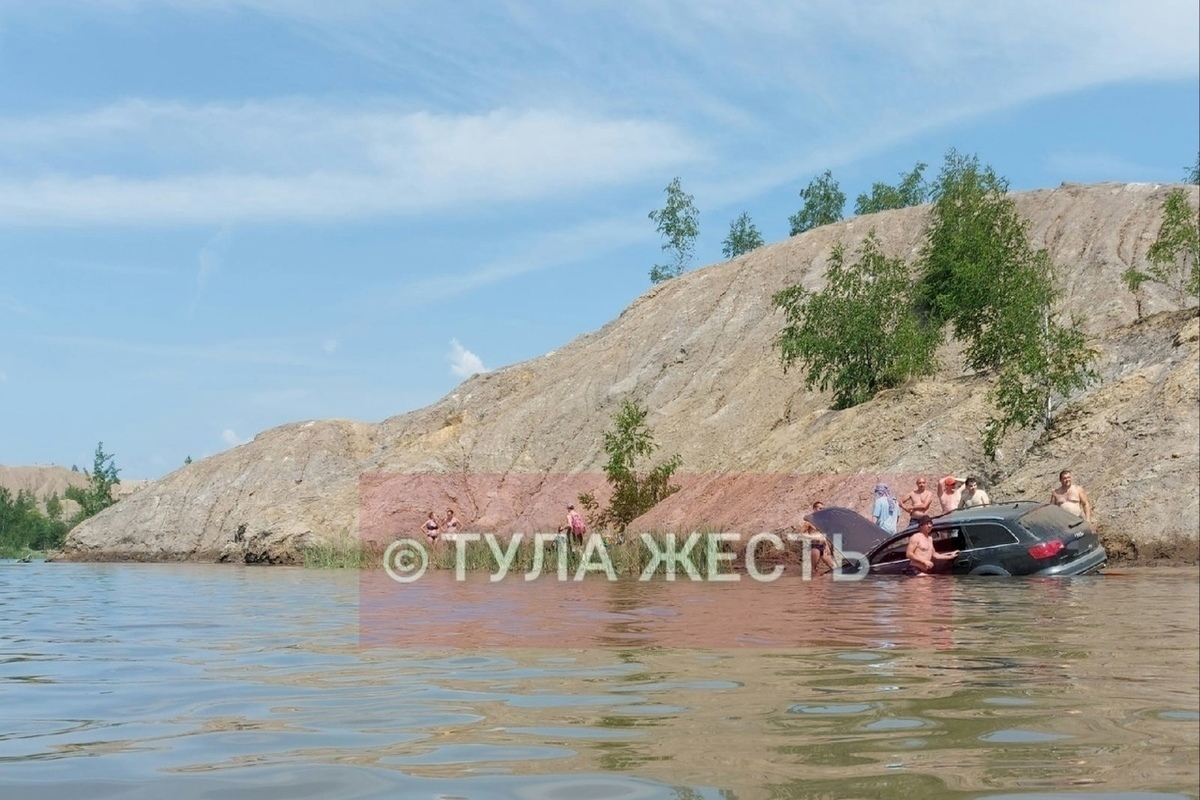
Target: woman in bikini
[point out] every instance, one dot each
(431, 528)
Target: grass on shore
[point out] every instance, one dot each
(629, 555)
(343, 553)
(21, 553)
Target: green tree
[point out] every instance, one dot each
(743, 237)
(1193, 173)
(860, 334)
(634, 492)
(972, 235)
(187, 460)
(98, 494)
(54, 507)
(1055, 365)
(1175, 255)
(678, 222)
(23, 528)
(981, 276)
(823, 204)
(911, 191)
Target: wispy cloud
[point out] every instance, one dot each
(279, 398)
(230, 437)
(211, 257)
(330, 345)
(108, 268)
(267, 352)
(3, 376)
(463, 362)
(11, 306)
(526, 101)
(1093, 165)
(547, 251)
(296, 160)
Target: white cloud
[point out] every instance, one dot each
(279, 398)
(277, 352)
(211, 257)
(296, 160)
(10, 305)
(550, 250)
(757, 94)
(3, 376)
(1088, 166)
(232, 439)
(330, 345)
(463, 362)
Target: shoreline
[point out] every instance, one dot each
(1184, 555)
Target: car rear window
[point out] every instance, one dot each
(1048, 521)
(989, 534)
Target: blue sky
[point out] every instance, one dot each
(218, 216)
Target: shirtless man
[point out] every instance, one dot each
(1071, 497)
(917, 502)
(949, 493)
(921, 555)
(973, 496)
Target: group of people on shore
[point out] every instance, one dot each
(952, 495)
(448, 526)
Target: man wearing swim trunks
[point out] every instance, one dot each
(818, 544)
(922, 558)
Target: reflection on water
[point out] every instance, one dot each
(151, 681)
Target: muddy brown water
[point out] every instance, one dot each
(193, 681)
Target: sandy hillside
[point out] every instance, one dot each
(508, 448)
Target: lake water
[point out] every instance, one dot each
(196, 681)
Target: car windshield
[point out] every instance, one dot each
(1049, 521)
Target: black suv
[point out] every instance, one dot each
(1016, 538)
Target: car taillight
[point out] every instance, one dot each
(1047, 549)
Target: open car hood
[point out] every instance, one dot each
(858, 533)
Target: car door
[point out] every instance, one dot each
(890, 558)
(947, 539)
(989, 548)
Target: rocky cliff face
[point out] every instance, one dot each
(509, 448)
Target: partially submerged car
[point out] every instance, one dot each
(1015, 538)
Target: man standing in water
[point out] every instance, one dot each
(921, 556)
(1071, 496)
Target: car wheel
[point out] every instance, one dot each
(990, 569)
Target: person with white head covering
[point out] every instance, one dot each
(886, 510)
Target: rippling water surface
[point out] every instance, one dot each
(180, 682)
